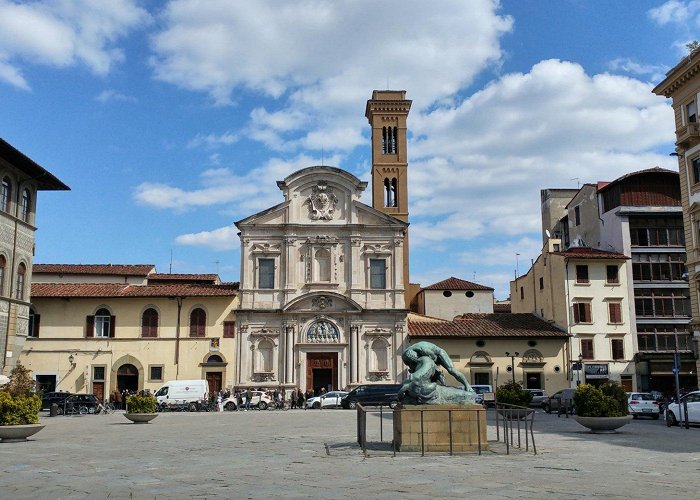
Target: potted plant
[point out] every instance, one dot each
(601, 409)
(515, 400)
(19, 406)
(140, 409)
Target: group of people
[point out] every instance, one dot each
(296, 398)
(118, 398)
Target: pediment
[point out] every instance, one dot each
(274, 216)
(325, 302)
(369, 216)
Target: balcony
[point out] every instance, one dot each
(688, 135)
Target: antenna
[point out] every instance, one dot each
(578, 182)
(322, 156)
(170, 271)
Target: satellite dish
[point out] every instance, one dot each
(546, 231)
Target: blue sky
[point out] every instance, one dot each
(170, 120)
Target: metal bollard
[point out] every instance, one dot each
(53, 411)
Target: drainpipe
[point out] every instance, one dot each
(177, 338)
(568, 324)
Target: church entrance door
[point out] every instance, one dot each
(321, 371)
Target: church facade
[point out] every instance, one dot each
(322, 299)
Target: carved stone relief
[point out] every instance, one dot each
(322, 332)
(322, 202)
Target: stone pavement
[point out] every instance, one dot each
(302, 454)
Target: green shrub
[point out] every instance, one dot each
(19, 410)
(608, 400)
(513, 393)
(140, 404)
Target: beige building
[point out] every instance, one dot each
(682, 84)
(22, 179)
(495, 349)
(97, 328)
(453, 297)
(584, 292)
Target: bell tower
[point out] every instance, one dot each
(387, 112)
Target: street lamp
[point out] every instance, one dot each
(512, 363)
(580, 367)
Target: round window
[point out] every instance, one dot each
(557, 369)
(532, 343)
(469, 294)
(509, 369)
(447, 293)
(480, 343)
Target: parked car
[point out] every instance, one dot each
(50, 398)
(675, 413)
(538, 397)
(75, 401)
(484, 394)
(554, 402)
(372, 395)
(329, 400)
(643, 404)
(258, 399)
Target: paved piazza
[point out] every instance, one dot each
(302, 454)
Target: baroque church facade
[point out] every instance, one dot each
(324, 277)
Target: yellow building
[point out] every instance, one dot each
(97, 328)
(498, 348)
(682, 84)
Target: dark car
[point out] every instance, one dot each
(372, 395)
(50, 398)
(564, 397)
(76, 402)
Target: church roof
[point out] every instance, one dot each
(453, 283)
(483, 325)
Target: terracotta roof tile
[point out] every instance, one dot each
(484, 325)
(182, 277)
(502, 307)
(589, 253)
(116, 290)
(453, 283)
(102, 269)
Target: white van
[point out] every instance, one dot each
(484, 394)
(182, 392)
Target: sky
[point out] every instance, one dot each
(171, 120)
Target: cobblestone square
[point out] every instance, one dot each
(302, 454)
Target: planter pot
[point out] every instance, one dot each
(603, 424)
(11, 433)
(140, 418)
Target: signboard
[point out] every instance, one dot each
(594, 370)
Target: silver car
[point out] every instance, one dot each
(538, 397)
(328, 400)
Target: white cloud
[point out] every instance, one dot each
(655, 73)
(225, 238)
(213, 140)
(63, 33)
(112, 95)
(675, 12)
(325, 68)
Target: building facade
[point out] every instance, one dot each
(639, 215)
(453, 297)
(21, 179)
(682, 85)
(97, 328)
(495, 349)
(322, 301)
(584, 292)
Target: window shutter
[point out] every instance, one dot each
(90, 326)
(37, 320)
(112, 329)
(587, 313)
(229, 329)
(577, 316)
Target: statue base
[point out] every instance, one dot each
(468, 424)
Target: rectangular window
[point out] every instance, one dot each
(615, 312)
(266, 273)
(618, 348)
(692, 111)
(98, 373)
(612, 275)
(541, 283)
(577, 216)
(581, 274)
(582, 312)
(155, 373)
(377, 273)
(229, 329)
(522, 293)
(587, 348)
(696, 170)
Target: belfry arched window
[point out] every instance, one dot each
(391, 187)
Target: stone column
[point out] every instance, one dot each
(289, 376)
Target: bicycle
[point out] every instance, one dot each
(105, 409)
(72, 409)
(279, 405)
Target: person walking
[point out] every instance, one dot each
(239, 400)
(247, 396)
(293, 399)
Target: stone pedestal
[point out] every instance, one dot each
(467, 421)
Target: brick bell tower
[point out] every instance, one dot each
(387, 112)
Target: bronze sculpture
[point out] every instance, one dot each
(426, 385)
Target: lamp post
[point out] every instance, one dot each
(580, 368)
(512, 363)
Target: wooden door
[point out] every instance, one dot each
(98, 389)
(321, 360)
(214, 379)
